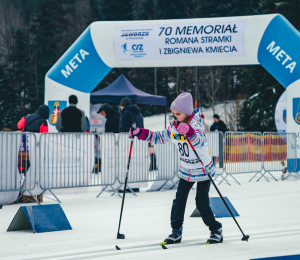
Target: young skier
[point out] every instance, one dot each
(191, 170)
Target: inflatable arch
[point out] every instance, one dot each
(269, 40)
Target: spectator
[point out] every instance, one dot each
(129, 114)
(218, 124)
(36, 122)
(71, 119)
(112, 118)
(206, 127)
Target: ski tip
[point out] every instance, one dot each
(207, 243)
(118, 248)
(163, 245)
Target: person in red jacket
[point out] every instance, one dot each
(36, 122)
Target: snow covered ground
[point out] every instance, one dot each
(269, 213)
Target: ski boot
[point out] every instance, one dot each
(174, 238)
(215, 237)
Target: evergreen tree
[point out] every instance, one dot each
(49, 27)
(117, 10)
(168, 9)
(96, 9)
(16, 82)
(257, 112)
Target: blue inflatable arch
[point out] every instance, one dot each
(269, 40)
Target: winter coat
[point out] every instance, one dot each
(112, 121)
(220, 126)
(71, 120)
(37, 122)
(130, 113)
(191, 169)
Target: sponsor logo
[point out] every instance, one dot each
(136, 50)
(296, 110)
(124, 46)
(190, 161)
(178, 137)
(135, 34)
(55, 107)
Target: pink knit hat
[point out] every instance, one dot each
(183, 103)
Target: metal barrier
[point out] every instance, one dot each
(81, 160)
(167, 161)
(242, 153)
(215, 143)
(279, 150)
(18, 165)
(69, 160)
(66, 160)
(165, 156)
(106, 155)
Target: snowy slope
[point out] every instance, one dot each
(269, 213)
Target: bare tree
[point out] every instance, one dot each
(214, 84)
(10, 20)
(82, 15)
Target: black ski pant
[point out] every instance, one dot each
(202, 203)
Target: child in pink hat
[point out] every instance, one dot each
(191, 169)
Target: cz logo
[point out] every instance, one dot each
(137, 47)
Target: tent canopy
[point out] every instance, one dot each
(121, 88)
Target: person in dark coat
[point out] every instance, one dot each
(112, 118)
(218, 125)
(129, 113)
(71, 119)
(36, 122)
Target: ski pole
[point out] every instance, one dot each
(122, 236)
(245, 237)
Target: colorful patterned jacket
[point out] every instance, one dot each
(191, 169)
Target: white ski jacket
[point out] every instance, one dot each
(191, 169)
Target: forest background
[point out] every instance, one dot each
(35, 33)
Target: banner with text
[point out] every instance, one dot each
(192, 40)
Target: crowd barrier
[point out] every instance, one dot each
(280, 150)
(148, 162)
(35, 163)
(242, 154)
(215, 147)
(248, 152)
(17, 165)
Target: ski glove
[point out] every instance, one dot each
(140, 133)
(185, 129)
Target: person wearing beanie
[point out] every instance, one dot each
(36, 122)
(189, 125)
(129, 113)
(112, 118)
(71, 119)
(218, 125)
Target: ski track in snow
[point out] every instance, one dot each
(269, 213)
